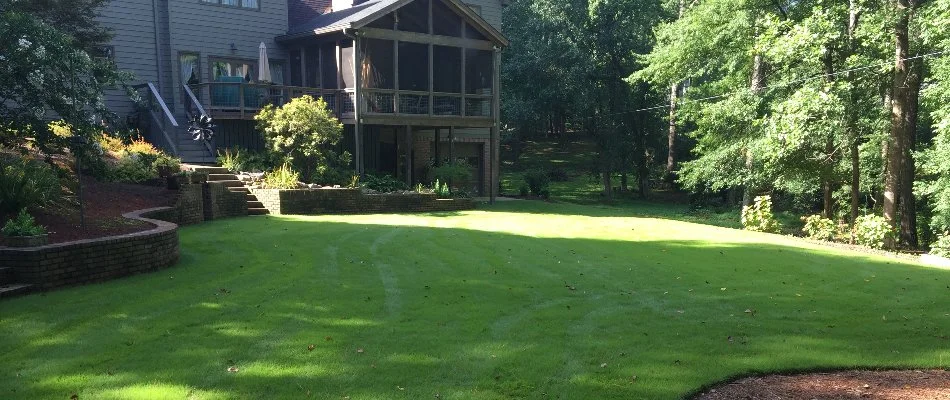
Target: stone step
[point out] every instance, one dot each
(254, 204)
(222, 177)
(208, 169)
(241, 189)
(6, 275)
(198, 160)
(14, 290)
(257, 211)
(231, 183)
(250, 197)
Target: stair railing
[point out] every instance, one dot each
(195, 109)
(159, 121)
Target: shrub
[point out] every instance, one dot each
(26, 183)
(334, 170)
(383, 183)
(873, 231)
(819, 228)
(231, 160)
(441, 190)
(941, 247)
(140, 146)
(558, 174)
(165, 161)
(455, 172)
(538, 183)
(524, 190)
(23, 225)
(134, 168)
(759, 218)
(303, 129)
(282, 178)
(261, 161)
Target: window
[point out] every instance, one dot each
(249, 4)
(447, 71)
(189, 68)
(225, 70)
(377, 71)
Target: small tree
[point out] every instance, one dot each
(302, 130)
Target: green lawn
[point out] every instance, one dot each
(519, 300)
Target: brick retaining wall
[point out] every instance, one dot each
(95, 260)
(352, 201)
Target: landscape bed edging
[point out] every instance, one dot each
(96, 260)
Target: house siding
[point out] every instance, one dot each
(491, 11)
(185, 26)
(133, 25)
(209, 30)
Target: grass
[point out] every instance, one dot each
(518, 300)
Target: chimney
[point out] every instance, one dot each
(302, 11)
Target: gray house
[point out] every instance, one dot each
(415, 82)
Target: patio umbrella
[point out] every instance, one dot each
(263, 67)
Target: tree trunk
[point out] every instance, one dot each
(853, 134)
(827, 199)
(855, 180)
(758, 84)
(899, 204)
(623, 182)
(608, 186)
(671, 136)
(908, 201)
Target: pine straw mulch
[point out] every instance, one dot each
(104, 202)
(845, 385)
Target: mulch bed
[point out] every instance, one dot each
(105, 202)
(846, 385)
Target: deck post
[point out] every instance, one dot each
(438, 158)
(358, 104)
(409, 155)
(452, 144)
(496, 123)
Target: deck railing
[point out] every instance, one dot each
(242, 100)
(388, 101)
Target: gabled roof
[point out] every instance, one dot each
(360, 15)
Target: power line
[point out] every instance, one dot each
(784, 84)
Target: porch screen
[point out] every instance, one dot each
(445, 22)
(377, 70)
(413, 66)
(478, 71)
(413, 17)
(447, 70)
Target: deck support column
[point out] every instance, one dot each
(358, 105)
(409, 142)
(496, 124)
(438, 157)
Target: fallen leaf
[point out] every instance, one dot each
(329, 339)
(232, 369)
(604, 365)
(74, 397)
(311, 347)
(360, 350)
(722, 289)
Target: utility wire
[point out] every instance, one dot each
(784, 84)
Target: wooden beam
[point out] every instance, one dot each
(462, 113)
(431, 69)
(386, 34)
(424, 120)
(452, 144)
(339, 66)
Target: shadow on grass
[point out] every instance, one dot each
(396, 307)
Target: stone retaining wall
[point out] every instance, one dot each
(353, 201)
(95, 260)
